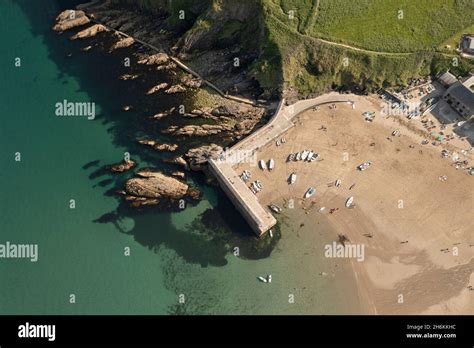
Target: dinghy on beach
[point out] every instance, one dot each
(275, 208)
(349, 202)
(292, 179)
(271, 164)
(310, 192)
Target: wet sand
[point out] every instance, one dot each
(417, 230)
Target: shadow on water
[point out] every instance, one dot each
(211, 236)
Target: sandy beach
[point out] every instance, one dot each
(417, 230)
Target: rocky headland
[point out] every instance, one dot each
(197, 115)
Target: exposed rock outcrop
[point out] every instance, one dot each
(169, 66)
(127, 77)
(160, 115)
(197, 130)
(176, 89)
(89, 32)
(178, 161)
(159, 146)
(197, 158)
(150, 188)
(122, 166)
(158, 59)
(157, 88)
(191, 82)
(122, 43)
(69, 19)
(179, 175)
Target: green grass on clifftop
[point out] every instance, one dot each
(403, 48)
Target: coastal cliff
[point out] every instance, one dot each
(268, 48)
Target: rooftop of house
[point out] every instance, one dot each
(447, 78)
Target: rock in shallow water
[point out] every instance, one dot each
(150, 188)
(122, 166)
(89, 32)
(69, 19)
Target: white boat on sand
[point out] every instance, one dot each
(364, 166)
(271, 164)
(337, 183)
(310, 192)
(275, 208)
(292, 179)
(263, 165)
(349, 202)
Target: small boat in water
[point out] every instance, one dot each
(310, 192)
(263, 165)
(271, 233)
(271, 164)
(292, 179)
(337, 183)
(262, 279)
(349, 202)
(269, 278)
(275, 208)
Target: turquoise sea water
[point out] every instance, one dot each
(80, 251)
